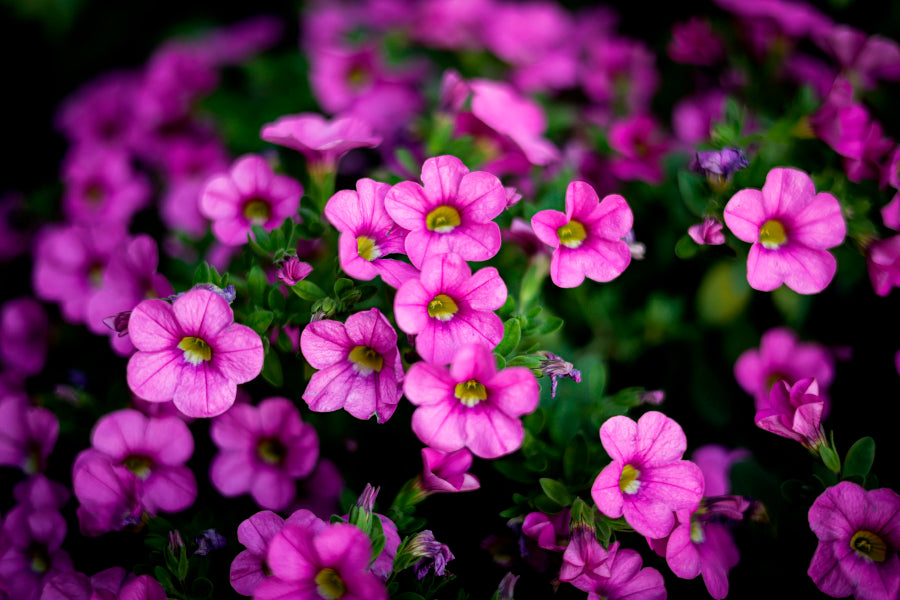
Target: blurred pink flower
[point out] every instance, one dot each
(322, 142)
(794, 412)
(24, 330)
(883, 261)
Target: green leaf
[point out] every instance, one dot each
(308, 290)
(271, 370)
(262, 237)
(499, 361)
(341, 285)
(830, 459)
(575, 458)
(550, 325)
(556, 491)
(257, 284)
(260, 320)
(686, 248)
(201, 274)
(532, 362)
(512, 334)
(546, 505)
(860, 458)
(693, 192)
(276, 300)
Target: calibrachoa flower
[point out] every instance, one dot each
(262, 450)
(471, 405)
(293, 270)
(795, 412)
(791, 228)
(31, 550)
(321, 141)
(451, 212)
(709, 232)
(448, 306)
(316, 563)
(782, 356)
(368, 234)
(28, 434)
(585, 561)
(191, 352)
(587, 238)
(249, 194)
(447, 471)
(23, 336)
(883, 262)
(360, 367)
(550, 531)
(646, 480)
(627, 579)
(859, 537)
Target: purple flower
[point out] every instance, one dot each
(110, 494)
(859, 537)
(359, 365)
(23, 336)
(249, 194)
(293, 270)
(883, 262)
(638, 141)
(310, 563)
(795, 412)
(791, 228)
(368, 234)
(30, 553)
(191, 352)
(695, 43)
(719, 165)
(78, 586)
(321, 141)
(709, 232)
(453, 212)
(471, 405)
(627, 579)
(555, 367)
(448, 306)
(781, 356)
(433, 555)
(27, 436)
(715, 461)
(152, 451)
(447, 471)
(647, 480)
(262, 450)
(587, 238)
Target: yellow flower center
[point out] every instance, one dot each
(40, 558)
(869, 545)
(330, 585)
(366, 360)
(470, 392)
(572, 234)
(443, 219)
(139, 465)
(697, 535)
(257, 211)
(628, 481)
(195, 350)
(442, 307)
(367, 248)
(271, 451)
(772, 235)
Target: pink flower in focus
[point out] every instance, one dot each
(585, 563)
(191, 352)
(322, 142)
(647, 480)
(550, 531)
(311, 563)
(587, 238)
(627, 579)
(859, 538)
(453, 212)
(781, 356)
(883, 261)
(249, 194)
(447, 471)
(471, 405)
(449, 306)
(249, 567)
(795, 412)
(791, 228)
(709, 232)
(359, 365)
(368, 234)
(293, 270)
(262, 450)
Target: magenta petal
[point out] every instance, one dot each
(440, 425)
(820, 225)
(650, 519)
(171, 489)
(291, 554)
(515, 391)
(491, 433)
(154, 376)
(681, 554)
(618, 436)
(204, 392)
(202, 313)
(606, 493)
(152, 326)
(119, 433)
(441, 177)
(343, 545)
(325, 343)
(810, 270)
(230, 473)
(481, 196)
(546, 224)
(237, 353)
(273, 489)
(427, 383)
(485, 290)
(744, 215)
(256, 532)
(660, 437)
(407, 205)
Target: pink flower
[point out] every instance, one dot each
(863, 58)
(448, 306)
(24, 328)
(791, 227)
(27, 436)
(191, 352)
(795, 412)
(646, 480)
(585, 563)
(249, 194)
(781, 356)
(883, 261)
(447, 471)
(708, 232)
(695, 43)
(360, 367)
(310, 563)
(640, 146)
(262, 450)
(550, 531)
(471, 405)
(321, 141)
(587, 238)
(31, 551)
(859, 537)
(627, 579)
(619, 74)
(715, 461)
(453, 212)
(152, 451)
(368, 234)
(293, 270)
